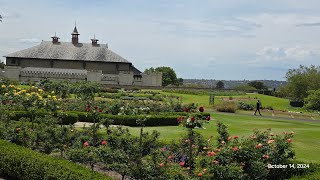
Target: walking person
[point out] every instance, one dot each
(258, 106)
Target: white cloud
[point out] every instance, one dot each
(296, 53)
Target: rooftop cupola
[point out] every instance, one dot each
(55, 39)
(94, 41)
(75, 35)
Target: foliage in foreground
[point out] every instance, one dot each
(23, 163)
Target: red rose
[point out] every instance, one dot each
(235, 137)
(193, 119)
(85, 144)
(170, 157)
(100, 110)
(211, 153)
(96, 107)
(161, 164)
(265, 157)
(208, 118)
(104, 142)
(180, 119)
(199, 174)
(229, 138)
(182, 164)
(185, 109)
(18, 130)
(235, 149)
(201, 109)
(289, 140)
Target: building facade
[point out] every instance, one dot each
(75, 61)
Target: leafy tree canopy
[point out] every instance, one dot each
(302, 80)
(220, 85)
(258, 85)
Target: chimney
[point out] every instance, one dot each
(55, 39)
(75, 36)
(94, 41)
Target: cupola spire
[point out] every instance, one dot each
(75, 34)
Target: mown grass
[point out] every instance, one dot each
(306, 141)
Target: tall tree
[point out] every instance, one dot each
(168, 75)
(0, 18)
(258, 85)
(302, 80)
(220, 85)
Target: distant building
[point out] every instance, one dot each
(75, 61)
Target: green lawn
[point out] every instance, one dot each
(306, 140)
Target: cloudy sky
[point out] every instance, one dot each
(210, 39)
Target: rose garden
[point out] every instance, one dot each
(40, 138)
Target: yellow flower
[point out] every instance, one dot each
(52, 92)
(11, 85)
(40, 90)
(19, 89)
(49, 96)
(3, 86)
(14, 91)
(15, 94)
(24, 91)
(6, 94)
(28, 94)
(40, 98)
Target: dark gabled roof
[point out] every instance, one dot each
(69, 51)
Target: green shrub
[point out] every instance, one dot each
(69, 118)
(109, 90)
(227, 107)
(22, 163)
(245, 106)
(312, 102)
(130, 120)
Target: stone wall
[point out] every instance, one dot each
(125, 78)
(152, 79)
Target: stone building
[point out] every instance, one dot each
(75, 61)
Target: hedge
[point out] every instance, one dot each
(130, 120)
(70, 117)
(22, 163)
(161, 119)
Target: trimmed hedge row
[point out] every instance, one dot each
(70, 117)
(22, 163)
(161, 119)
(131, 120)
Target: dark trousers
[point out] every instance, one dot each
(258, 109)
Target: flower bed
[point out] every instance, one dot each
(23, 163)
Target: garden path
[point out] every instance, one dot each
(268, 117)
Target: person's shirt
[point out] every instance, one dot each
(258, 105)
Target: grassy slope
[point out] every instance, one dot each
(305, 141)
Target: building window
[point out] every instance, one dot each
(13, 61)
